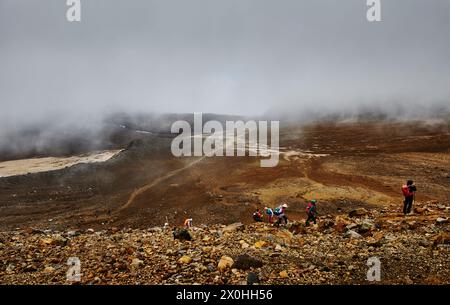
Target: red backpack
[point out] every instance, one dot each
(405, 191)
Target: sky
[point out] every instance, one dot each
(224, 56)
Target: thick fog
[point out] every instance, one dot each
(224, 56)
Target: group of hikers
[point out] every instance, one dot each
(408, 190)
(279, 213)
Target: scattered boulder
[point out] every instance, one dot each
(358, 212)
(252, 278)
(351, 226)
(244, 244)
(185, 259)
(365, 226)
(352, 234)
(284, 235)
(284, 274)
(136, 262)
(245, 262)
(376, 240)
(10, 268)
(441, 220)
(260, 244)
(73, 233)
(237, 226)
(49, 269)
(182, 234)
(55, 240)
(225, 263)
(326, 224)
(341, 224)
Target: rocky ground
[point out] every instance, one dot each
(412, 250)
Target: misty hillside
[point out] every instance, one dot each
(116, 131)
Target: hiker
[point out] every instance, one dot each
(257, 216)
(409, 191)
(280, 212)
(311, 211)
(269, 213)
(188, 223)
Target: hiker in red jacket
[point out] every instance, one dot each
(409, 191)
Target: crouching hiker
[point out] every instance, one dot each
(311, 211)
(257, 216)
(280, 212)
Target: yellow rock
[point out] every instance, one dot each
(207, 249)
(285, 235)
(149, 251)
(284, 274)
(225, 262)
(260, 244)
(47, 241)
(49, 269)
(185, 260)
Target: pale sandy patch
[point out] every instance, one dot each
(45, 164)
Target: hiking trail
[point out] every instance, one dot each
(148, 186)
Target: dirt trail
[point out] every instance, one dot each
(148, 186)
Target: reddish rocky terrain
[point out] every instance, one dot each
(44, 217)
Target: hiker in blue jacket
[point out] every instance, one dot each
(280, 212)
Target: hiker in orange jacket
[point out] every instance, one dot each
(188, 223)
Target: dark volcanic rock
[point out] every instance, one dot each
(252, 278)
(182, 234)
(245, 261)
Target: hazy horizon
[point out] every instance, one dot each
(230, 57)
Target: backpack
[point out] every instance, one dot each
(311, 209)
(405, 191)
(278, 211)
